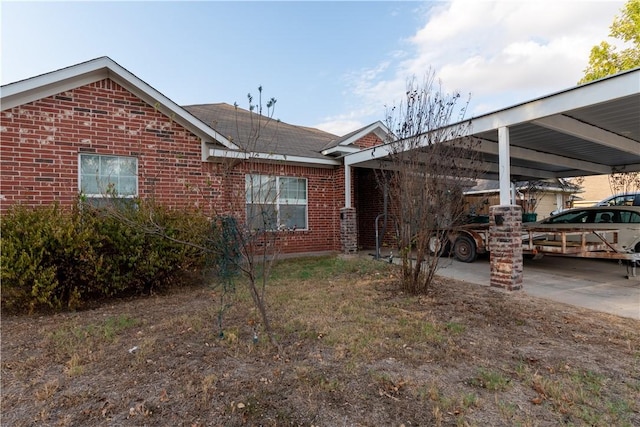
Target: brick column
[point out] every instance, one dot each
(505, 246)
(348, 231)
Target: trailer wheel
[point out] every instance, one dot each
(464, 249)
(438, 245)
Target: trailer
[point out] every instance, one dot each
(466, 242)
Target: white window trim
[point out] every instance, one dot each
(100, 195)
(277, 184)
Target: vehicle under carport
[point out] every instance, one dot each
(590, 129)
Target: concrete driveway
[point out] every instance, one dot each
(590, 283)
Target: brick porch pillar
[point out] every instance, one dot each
(505, 246)
(348, 231)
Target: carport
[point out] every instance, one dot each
(591, 129)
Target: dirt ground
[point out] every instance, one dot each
(354, 352)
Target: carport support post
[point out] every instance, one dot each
(505, 246)
(348, 231)
(504, 166)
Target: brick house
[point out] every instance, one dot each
(93, 124)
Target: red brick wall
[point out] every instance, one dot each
(505, 246)
(368, 141)
(41, 142)
(348, 230)
(325, 198)
(370, 204)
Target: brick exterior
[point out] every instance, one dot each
(369, 204)
(348, 230)
(505, 243)
(41, 142)
(368, 141)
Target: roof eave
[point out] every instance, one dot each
(340, 150)
(215, 154)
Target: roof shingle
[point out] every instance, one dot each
(253, 132)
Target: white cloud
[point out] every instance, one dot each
(342, 124)
(502, 52)
(339, 127)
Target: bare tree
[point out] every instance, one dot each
(624, 182)
(244, 236)
(257, 237)
(431, 161)
(533, 191)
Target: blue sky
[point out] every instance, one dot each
(331, 65)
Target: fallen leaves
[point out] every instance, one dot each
(139, 409)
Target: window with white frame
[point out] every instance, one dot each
(275, 202)
(103, 176)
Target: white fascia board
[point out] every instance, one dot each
(45, 85)
(367, 154)
(384, 150)
(546, 190)
(340, 149)
(474, 192)
(607, 89)
(380, 151)
(242, 155)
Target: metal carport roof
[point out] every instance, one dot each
(590, 129)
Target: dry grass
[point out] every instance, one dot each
(355, 352)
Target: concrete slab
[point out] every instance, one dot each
(590, 283)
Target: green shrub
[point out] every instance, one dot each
(145, 248)
(62, 258)
(44, 255)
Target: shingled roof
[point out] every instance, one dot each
(237, 125)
